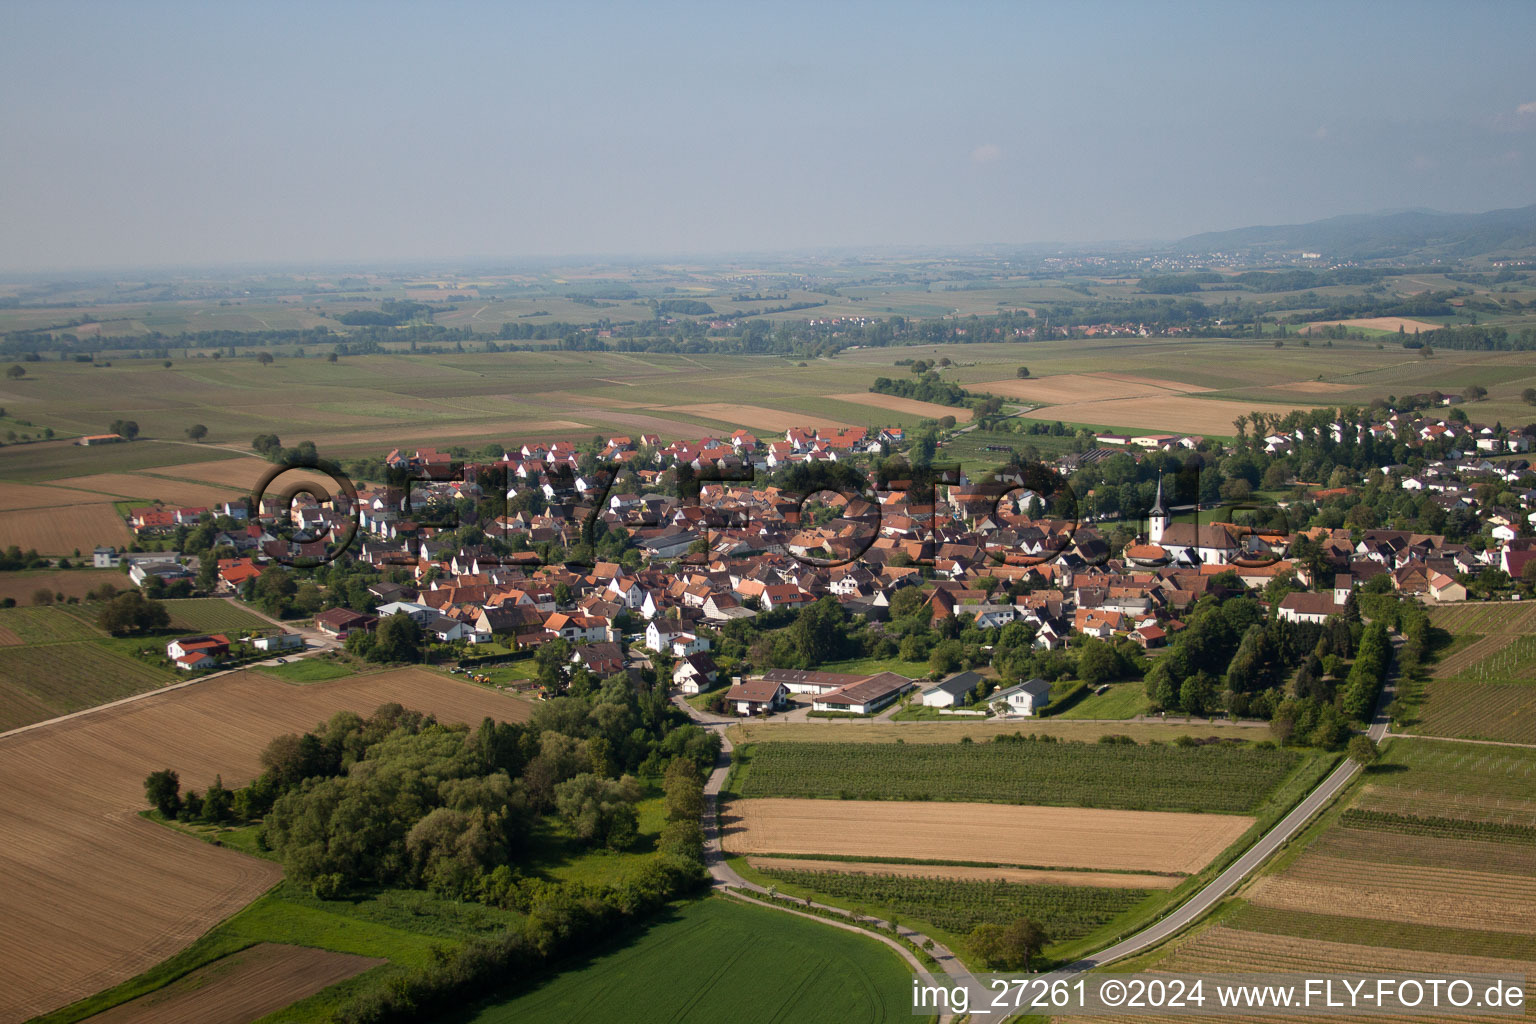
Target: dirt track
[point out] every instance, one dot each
(94, 894)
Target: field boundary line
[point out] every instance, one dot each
(1458, 739)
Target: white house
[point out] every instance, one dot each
(695, 674)
(667, 638)
(866, 697)
(955, 689)
(1026, 698)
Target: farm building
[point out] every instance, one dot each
(948, 692)
(1026, 698)
(865, 697)
(195, 652)
(755, 696)
(798, 680)
(279, 642)
(105, 558)
(90, 439)
(338, 622)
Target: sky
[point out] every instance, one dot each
(152, 134)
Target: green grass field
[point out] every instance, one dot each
(1121, 700)
(213, 615)
(721, 960)
(307, 670)
(47, 625)
(1223, 778)
(1483, 682)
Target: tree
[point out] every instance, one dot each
(1362, 749)
(132, 612)
(163, 790)
(217, 802)
(1528, 396)
(265, 358)
(1474, 393)
(16, 371)
(1011, 947)
(1023, 371)
(397, 638)
(945, 657)
(600, 811)
(127, 428)
(1096, 662)
(197, 431)
(684, 790)
(42, 596)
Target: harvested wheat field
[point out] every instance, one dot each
(1185, 414)
(1074, 837)
(63, 531)
(69, 582)
(1223, 950)
(14, 496)
(140, 485)
(911, 406)
(1378, 323)
(95, 894)
(1082, 387)
(1024, 876)
(1480, 900)
(241, 473)
(241, 987)
(757, 417)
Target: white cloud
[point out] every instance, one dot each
(986, 153)
(1526, 108)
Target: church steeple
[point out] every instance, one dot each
(1157, 518)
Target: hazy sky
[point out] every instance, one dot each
(147, 133)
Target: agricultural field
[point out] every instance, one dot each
(895, 403)
(1484, 686)
(64, 529)
(1426, 867)
(1033, 837)
(78, 914)
(75, 583)
(956, 906)
(835, 731)
(242, 986)
(1226, 778)
(212, 615)
(710, 960)
(54, 661)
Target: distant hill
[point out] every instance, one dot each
(1411, 233)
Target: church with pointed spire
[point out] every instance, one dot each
(1157, 518)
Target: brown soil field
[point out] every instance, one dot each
(8, 638)
(1212, 416)
(140, 485)
(95, 894)
(1379, 323)
(241, 987)
(61, 531)
(14, 496)
(1025, 876)
(1479, 900)
(1083, 387)
(69, 582)
(758, 418)
(993, 833)
(894, 403)
(1230, 950)
(1310, 387)
(241, 473)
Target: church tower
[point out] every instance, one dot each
(1157, 519)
